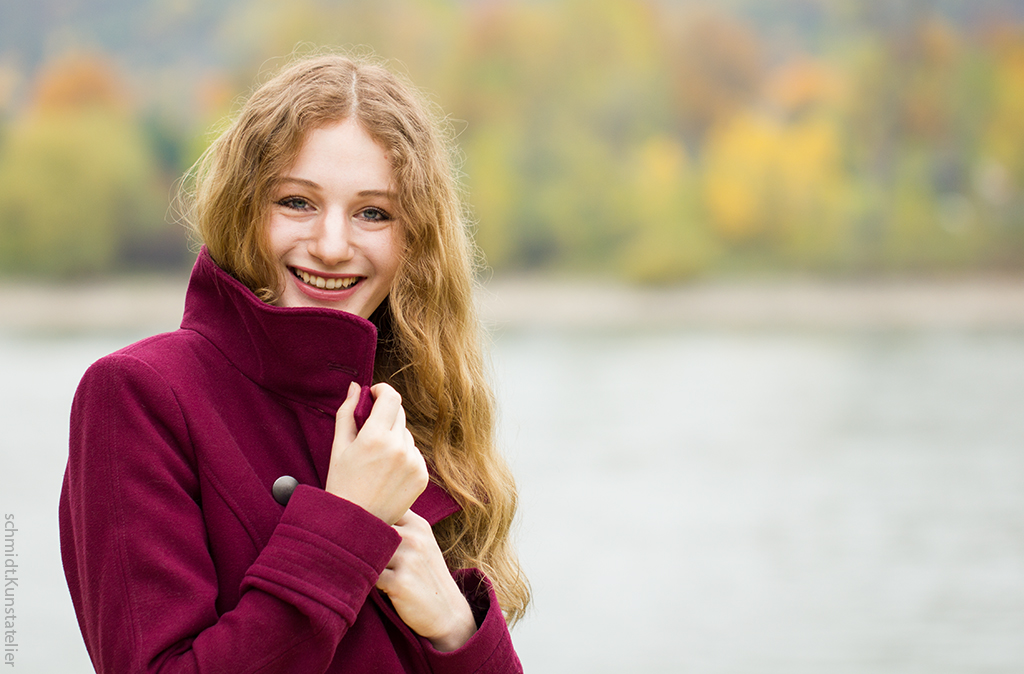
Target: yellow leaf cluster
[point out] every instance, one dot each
(764, 177)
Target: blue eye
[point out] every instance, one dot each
(294, 203)
(375, 214)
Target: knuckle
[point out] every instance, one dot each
(416, 544)
(420, 526)
(386, 390)
(422, 476)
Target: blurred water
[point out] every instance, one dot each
(698, 501)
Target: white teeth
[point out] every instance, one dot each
(326, 283)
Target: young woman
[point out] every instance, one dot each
(303, 477)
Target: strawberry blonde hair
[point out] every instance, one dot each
(429, 341)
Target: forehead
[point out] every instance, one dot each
(340, 151)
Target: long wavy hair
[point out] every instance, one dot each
(429, 338)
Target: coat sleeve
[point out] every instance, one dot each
(490, 650)
(136, 553)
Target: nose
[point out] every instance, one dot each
(332, 241)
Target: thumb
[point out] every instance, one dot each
(345, 421)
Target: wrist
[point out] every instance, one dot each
(461, 629)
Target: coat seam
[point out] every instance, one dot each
(124, 559)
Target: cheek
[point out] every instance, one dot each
(390, 254)
(283, 237)
(275, 237)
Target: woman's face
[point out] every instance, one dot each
(332, 228)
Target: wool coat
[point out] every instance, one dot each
(178, 556)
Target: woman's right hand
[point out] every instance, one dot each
(377, 467)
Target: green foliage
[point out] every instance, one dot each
(651, 140)
(668, 239)
(72, 186)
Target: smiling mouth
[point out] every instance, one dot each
(326, 283)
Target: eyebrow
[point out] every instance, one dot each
(316, 186)
(378, 193)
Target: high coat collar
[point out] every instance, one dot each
(305, 354)
(308, 355)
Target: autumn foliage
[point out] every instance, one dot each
(652, 141)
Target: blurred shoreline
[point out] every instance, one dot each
(974, 303)
(154, 304)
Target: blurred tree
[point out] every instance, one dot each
(76, 177)
(813, 193)
(1003, 132)
(78, 82)
(920, 93)
(668, 238)
(777, 185)
(9, 79)
(804, 84)
(739, 176)
(909, 91)
(649, 138)
(419, 37)
(716, 68)
(508, 96)
(928, 230)
(496, 187)
(998, 174)
(609, 65)
(577, 86)
(570, 207)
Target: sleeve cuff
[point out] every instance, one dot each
(490, 649)
(325, 550)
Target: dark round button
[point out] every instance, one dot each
(283, 488)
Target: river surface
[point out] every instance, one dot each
(700, 501)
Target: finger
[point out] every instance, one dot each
(412, 518)
(385, 580)
(383, 389)
(386, 406)
(345, 421)
(399, 424)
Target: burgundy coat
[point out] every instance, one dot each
(178, 557)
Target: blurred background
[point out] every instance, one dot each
(755, 290)
(646, 140)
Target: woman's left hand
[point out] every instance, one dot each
(422, 589)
